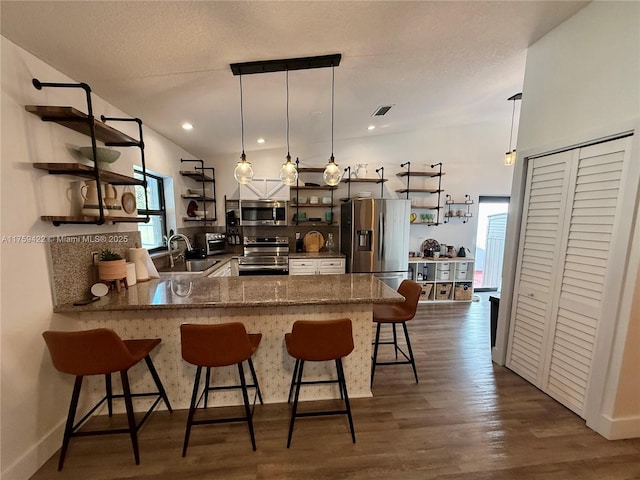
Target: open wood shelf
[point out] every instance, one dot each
(321, 187)
(364, 180)
(419, 174)
(199, 176)
(419, 190)
(85, 219)
(77, 121)
(187, 196)
(85, 171)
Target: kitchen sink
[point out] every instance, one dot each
(190, 266)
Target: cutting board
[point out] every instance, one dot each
(313, 241)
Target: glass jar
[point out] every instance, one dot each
(331, 245)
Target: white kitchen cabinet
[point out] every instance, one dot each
(227, 270)
(265, 189)
(316, 266)
(443, 280)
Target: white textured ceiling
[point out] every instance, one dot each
(437, 63)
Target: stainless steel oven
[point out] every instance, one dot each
(212, 243)
(268, 212)
(264, 256)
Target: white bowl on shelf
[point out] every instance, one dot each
(364, 194)
(197, 191)
(201, 213)
(105, 155)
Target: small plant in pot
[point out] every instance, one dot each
(111, 266)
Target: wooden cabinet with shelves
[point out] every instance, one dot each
(443, 280)
(460, 210)
(422, 213)
(97, 130)
(303, 191)
(206, 177)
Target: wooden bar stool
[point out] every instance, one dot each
(219, 345)
(102, 352)
(395, 313)
(319, 341)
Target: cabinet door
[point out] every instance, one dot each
(299, 266)
(265, 189)
(331, 266)
(572, 216)
(540, 238)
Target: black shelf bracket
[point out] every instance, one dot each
(408, 165)
(380, 171)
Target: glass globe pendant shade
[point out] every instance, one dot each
(510, 158)
(288, 172)
(332, 173)
(243, 172)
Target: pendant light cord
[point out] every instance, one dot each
(333, 81)
(241, 116)
(287, 83)
(512, 116)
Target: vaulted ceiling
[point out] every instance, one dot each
(167, 62)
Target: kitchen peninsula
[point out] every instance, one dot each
(264, 304)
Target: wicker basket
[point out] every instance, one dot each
(443, 291)
(426, 291)
(462, 292)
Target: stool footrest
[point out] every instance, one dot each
(219, 420)
(320, 414)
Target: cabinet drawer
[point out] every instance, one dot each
(444, 266)
(332, 263)
(443, 275)
(300, 263)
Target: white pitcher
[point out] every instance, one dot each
(361, 170)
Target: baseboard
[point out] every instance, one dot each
(618, 428)
(29, 463)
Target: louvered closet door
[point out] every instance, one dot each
(540, 249)
(593, 205)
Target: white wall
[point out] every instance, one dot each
(472, 158)
(582, 82)
(34, 397)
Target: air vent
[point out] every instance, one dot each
(382, 110)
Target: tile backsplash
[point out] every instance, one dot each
(71, 261)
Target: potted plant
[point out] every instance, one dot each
(111, 266)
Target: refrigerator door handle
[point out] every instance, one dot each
(381, 238)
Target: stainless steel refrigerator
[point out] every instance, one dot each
(374, 236)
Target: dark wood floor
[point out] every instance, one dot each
(466, 419)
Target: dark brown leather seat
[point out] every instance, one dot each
(395, 313)
(102, 352)
(319, 341)
(219, 345)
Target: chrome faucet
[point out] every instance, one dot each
(177, 236)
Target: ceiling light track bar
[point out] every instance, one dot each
(285, 64)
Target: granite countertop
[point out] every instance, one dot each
(439, 259)
(321, 254)
(175, 290)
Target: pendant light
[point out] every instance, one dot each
(510, 156)
(332, 173)
(243, 172)
(288, 172)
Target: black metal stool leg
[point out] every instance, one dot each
(133, 431)
(247, 408)
(395, 340)
(68, 429)
(255, 380)
(375, 353)
(207, 380)
(159, 385)
(295, 401)
(107, 384)
(192, 409)
(293, 380)
(411, 359)
(343, 384)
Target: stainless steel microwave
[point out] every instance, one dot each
(268, 212)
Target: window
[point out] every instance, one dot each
(153, 232)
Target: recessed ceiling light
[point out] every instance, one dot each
(261, 140)
(371, 127)
(187, 126)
